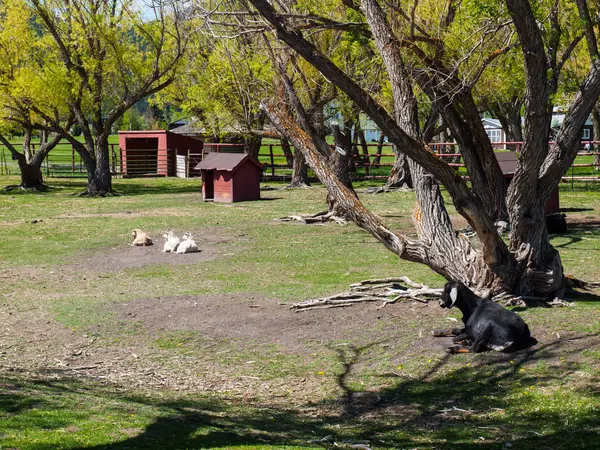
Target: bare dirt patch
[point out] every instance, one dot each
(121, 257)
(264, 320)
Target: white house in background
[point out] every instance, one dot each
(370, 129)
(586, 135)
(492, 128)
(495, 132)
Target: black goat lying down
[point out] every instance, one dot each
(487, 324)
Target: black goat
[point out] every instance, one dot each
(487, 324)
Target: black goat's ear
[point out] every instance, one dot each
(454, 294)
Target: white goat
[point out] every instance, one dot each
(188, 245)
(140, 238)
(171, 242)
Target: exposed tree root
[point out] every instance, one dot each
(526, 301)
(92, 194)
(300, 185)
(385, 291)
(321, 217)
(40, 188)
(391, 290)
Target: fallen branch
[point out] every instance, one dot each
(385, 189)
(385, 290)
(321, 217)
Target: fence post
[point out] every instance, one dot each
(72, 159)
(272, 160)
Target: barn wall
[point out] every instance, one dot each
(246, 186)
(144, 140)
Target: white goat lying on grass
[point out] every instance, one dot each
(187, 245)
(171, 242)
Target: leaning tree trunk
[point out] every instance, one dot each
(439, 247)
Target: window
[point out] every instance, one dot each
(586, 133)
(494, 135)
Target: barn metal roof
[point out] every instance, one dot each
(225, 161)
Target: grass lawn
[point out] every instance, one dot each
(103, 345)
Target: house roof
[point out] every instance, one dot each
(558, 119)
(491, 123)
(229, 162)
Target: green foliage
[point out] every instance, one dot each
(132, 120)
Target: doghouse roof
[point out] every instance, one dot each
(229, 162)
(507, 162)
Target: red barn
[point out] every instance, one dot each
(230, 177)
(157, 152)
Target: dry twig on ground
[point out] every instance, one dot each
(384, 290)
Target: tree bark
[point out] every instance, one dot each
(287, 151)
(377, 158)
(252, 145)
(400, 176)
(596, 147)
(299, 171)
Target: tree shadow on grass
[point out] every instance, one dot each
(135, 187)
(482, 403)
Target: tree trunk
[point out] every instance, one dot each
(400, 176)
(439, 246)
(377, 158)
(299, 171)
(339, 160)
(363, 145)
(31, 176)
(31, 170)
(27, 150)
(287, 151)
(252, 145)
(531, 266)
(596, 147)
(98, 168)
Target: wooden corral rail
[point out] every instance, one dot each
(373, 164)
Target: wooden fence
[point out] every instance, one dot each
(375, 163)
